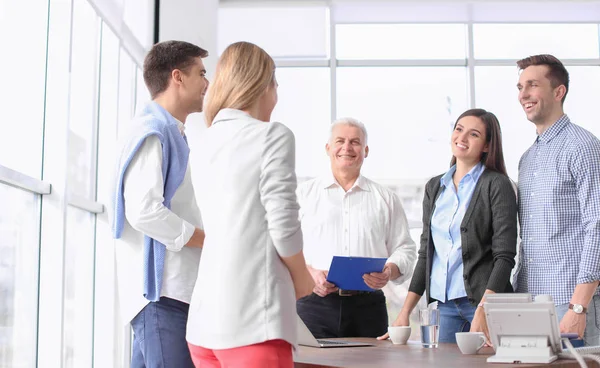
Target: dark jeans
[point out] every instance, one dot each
(362, 315)
(159, 336)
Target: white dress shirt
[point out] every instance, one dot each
(244, 293)
(146, 214)
(366, 221)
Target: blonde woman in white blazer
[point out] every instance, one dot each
(243, 309)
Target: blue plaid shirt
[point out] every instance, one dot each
(559, 212)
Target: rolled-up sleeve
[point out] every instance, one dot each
(144, 196)
(401, 247)
(277, 188)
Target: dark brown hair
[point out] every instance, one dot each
(163, 58)
(557, 73)
(494, 158)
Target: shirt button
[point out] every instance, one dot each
(534, 174)
(530, 216)
(346, 212)
(346, 230)
(530, 260)
(532, 194)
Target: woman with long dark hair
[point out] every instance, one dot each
(469, 238)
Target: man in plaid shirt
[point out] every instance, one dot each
(559, 202)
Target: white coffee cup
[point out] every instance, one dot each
(470, 342)
(399, 334)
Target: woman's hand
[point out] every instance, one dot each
(401, 320)
(479, 324)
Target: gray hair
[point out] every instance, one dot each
(352, 122)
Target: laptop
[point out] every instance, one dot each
(306, 338)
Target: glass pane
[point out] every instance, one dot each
(581, 103)
(23, 39)
(412, 111)
(282, 32)
(107, 346)
(496, 91)
(79, 289)
(138, 15)
(19, 247)
(516, 41)
(304, 106)
(141, 91)
(126, 90)
(109, 79)
(401, 41)
(82, 106)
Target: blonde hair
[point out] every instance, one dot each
(244, 71)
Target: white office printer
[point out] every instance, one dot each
(522, 330)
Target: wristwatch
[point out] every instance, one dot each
(577, 308)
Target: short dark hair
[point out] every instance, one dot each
(163, 58)
(493, 159)
(557, 74)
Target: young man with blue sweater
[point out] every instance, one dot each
(156, 220)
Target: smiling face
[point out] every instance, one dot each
(541, 101)
(347, 149)
(468, 140)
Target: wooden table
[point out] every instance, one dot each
(387, 355)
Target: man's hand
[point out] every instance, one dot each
(401, 320)
(573, 323)
(377, 280)
(322, 286)
(480, 325)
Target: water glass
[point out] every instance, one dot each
(430, 327)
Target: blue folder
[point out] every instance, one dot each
(347, 272)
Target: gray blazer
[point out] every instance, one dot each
(488, 235)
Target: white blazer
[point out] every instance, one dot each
(244, 293)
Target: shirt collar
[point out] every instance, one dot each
(181, 126)
(230, 114)
(361, 183)
(473, 175)
(554, 129)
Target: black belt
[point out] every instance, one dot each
(352, 292)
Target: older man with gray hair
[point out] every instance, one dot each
(346, 214)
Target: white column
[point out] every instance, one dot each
(193, 21)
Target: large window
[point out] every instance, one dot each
(65, 60)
